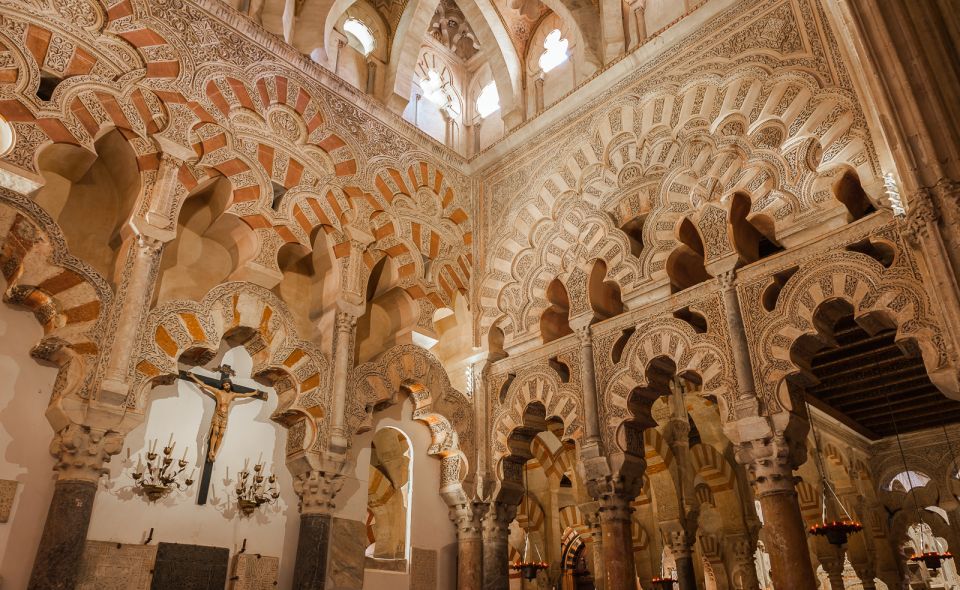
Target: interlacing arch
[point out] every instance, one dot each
(777, 138)
(554, 249)
(70, 300)
(446, 412)
(426, 218)
(703, 355)
(191, 332)
(540, 385)
(883, 298)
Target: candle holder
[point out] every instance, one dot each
(662, 583)
(836, 531)
(161, 474)
(932, 560)
(528, 569)
(256, 488)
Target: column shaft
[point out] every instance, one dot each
(470, 563)
(619, 570)
(57, 564)
(346, 324)
(496, 531)
(786, 537)
(686, 575)
(310, 569)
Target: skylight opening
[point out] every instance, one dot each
(362, 33)
(555, 51)
(488, 102)
(908, 480)
(433, 90)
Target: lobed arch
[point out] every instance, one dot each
(188, 332)
(701, 355)
(776, 137)
(446, 412)
(879, 297)
(69, 299)
(536, 385)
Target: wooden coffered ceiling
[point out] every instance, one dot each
(869, 384)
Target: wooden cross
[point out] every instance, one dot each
(224, 392)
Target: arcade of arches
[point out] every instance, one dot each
(409, 292)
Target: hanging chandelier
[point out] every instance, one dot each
(836, 531)
(159, 476)
(256, 489)
(934, 558)
(527, 567)
(662, 583)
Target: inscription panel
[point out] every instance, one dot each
(254, 572)
(423, 569)
(190, 567)
(115, 566)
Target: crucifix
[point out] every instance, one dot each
(224, 392)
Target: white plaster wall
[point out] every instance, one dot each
(25, 437)
(430, 526)
(123, 516)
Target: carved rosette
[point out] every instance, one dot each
(81, 452)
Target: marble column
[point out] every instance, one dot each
(683, 554)
(343, 351)
(771, 473)
(469, 520)
(833, 565)
(596, 557)
(741, 566)
(591, 416)
(619, 570)
(316, 490)
(80, 454)
(496, 553)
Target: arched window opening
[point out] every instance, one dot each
(48, 83)
(696, 320)
(604, 295)
(506, 387)
(882, 252)
(562, 370)
(555, 51)
(848, 190)
(488, 101)
(555, 321)
(621, 343)
(685, 265)
(388, 497)
(772, 293)
(908, 480)
(434, 89)
(751, 244)
(634, 231)
(360, 33)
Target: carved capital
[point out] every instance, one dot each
(727, 279)
(679, 542)
(583, 335)
(769, 465)
(317, 490)
(921, 215)
(346, 322)
(468, 518)
(615, 508)
(81, 452)
(496, 521)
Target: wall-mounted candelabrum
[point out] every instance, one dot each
(255, 488)
(161, 473)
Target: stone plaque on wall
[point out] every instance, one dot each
(254, 572)
(348, 540)
(115, 566)
(8, 490)
(423, 569)
(190, 567)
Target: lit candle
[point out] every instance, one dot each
(260, 460)
(246, 463)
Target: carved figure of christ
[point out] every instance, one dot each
(224, 393)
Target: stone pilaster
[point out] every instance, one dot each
(80, 456)
(316, 490)
(343, 353)
(468, 518)
(770, 468)
(496, 532)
